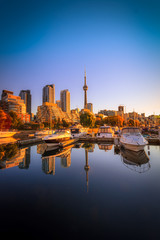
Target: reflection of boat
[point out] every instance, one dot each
(105, 132)
(105, 147)
(132, 139)
(137, 161)
(78, 131)
(6, 134)
(59, 139)
(57, 152)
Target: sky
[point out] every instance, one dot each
(52, 42)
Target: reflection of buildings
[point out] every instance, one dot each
(66, 160)
(136, 161)
(91, 148)
(18, 159)
(48, 165)
(26, 160)
(48, 159)
(41, 148)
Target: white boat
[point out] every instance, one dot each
(105, 132)
(132, 139)
(44, 132)
(58, 138)
(6, 134)
(78, 131)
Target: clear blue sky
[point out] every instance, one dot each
(50, 42)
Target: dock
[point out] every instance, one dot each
(90, 139)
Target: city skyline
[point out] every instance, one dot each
(117, 41)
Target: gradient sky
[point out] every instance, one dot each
(51, 42)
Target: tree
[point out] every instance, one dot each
(5, 120)
(15, 120)
(87, 119)
(130, 122)
(114, 121)
(65, 124)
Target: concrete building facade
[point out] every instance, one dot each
(49, 93)
(65, 100)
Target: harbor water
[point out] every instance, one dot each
(86, 190)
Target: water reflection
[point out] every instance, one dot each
(136, 161)
(105, 146)
(11, 156)
(48, 158)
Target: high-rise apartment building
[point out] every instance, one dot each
(26, 96)
(9, 102)
(65, 100)
(90, 107)
(49, 93)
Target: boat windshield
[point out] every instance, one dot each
(75, 130)
(105, 130)
(58, 132)
(130, 130)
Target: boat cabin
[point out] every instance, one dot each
(105, 129)
(130, 130)
(75, 130)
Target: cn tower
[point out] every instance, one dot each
(85, 88)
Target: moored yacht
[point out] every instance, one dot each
(60, 138)
(78, 131)
(105, 132)
(44, 132)
(132, 139)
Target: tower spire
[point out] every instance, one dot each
(85, 88)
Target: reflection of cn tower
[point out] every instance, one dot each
(86, 167)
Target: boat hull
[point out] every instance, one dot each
(56, 140)
(133, 147)
(7, 134)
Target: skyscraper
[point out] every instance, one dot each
(65, 100)
(49, 93)
(85, 88)
(90, 106)
(26, 96)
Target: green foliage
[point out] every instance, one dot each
(87, 119)
(15, 120)
(8, 151)
(65, 124)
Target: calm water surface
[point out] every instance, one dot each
(86, 191)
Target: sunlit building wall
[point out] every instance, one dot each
(49, 93)
(26, 96)
(9, 102)
(65, 100)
